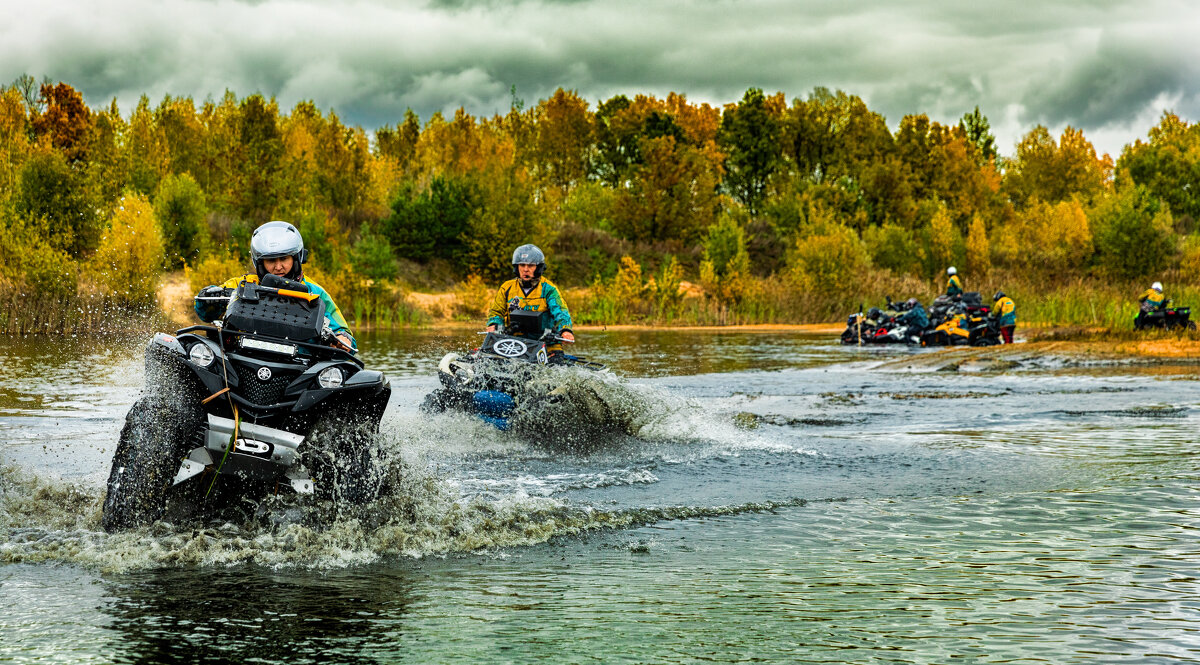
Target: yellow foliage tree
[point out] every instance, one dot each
(1045, 235)
(129, 260)
(829, 260)
(943, 241)
(979, 254)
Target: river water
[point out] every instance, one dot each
(780, 499)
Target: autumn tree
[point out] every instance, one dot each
(65, 120)
(108, 163)
(562, 141)
(14, 139)
(399, 144)
(1053, 171)
(129, 259)
(832, 135)
(672, 196)
(941, 167)
(146, 149)
(183, 134)
(260, 146)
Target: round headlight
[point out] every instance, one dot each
(330, 377)
(201, 355)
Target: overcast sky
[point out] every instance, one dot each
(1109, 67)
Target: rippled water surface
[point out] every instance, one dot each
(780, 499)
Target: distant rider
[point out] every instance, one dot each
(1152, 299)
(915, 315)
(277, 248)
(531, 292)
(1006, 310)
(954, 284)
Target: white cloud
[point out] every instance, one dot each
(1099, 65)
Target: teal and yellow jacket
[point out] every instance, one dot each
(954, 286)
(1152, 299)
(544, 298)
(208, 311)
(1006, 309)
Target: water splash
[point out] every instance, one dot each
(50, 521)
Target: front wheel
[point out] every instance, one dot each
(152, 444)
(1191, 325)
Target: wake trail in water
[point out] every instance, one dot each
(44, 521)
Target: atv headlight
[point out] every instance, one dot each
(200, 354)
(330, 377)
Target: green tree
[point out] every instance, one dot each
(182, 133)
(726, 263)
(52, 191)
(108, 164)
(372, 256)
(829, 259)
(829, 136)
(1168, 165)
(616, 141)
(751, 134)
(978, 132)
(505, 218)
(893, 247)
(180, 209)
(1133, 233)
(431, 223)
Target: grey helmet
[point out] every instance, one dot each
(275, 240)
(529, 254)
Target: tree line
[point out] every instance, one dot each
(777, 210)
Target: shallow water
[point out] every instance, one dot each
(782, 499)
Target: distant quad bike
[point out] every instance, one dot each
(1165, 317)
(264, 401)
(978, 331)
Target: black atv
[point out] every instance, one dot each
(261, 402)
(1165, 316)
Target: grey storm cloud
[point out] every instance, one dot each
(1109, 67)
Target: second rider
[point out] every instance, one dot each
(532, 292)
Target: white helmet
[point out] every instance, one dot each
(951, 271)
(1157, 286)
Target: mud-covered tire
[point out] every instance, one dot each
(341, 455)
(152, 445)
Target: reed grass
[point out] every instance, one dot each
(86, 314)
